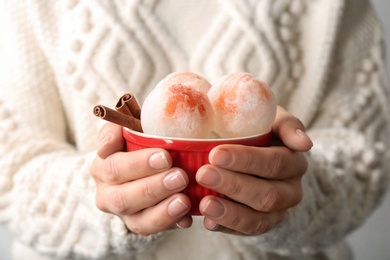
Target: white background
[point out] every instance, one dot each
(371, 242)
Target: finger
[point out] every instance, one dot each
(237, 217)
(185, 222)
(123, 167)
(275, 162)
(211, 225)
(260, 194)
(135, 196)
(291, 131)
(110, 140)
(161, 217)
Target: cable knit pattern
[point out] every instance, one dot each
(348, 170)
(323, 59)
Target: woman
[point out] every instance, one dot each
(324, 61)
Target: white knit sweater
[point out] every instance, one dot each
(323, 59)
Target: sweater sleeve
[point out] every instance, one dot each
(47, 196)
(349, 162)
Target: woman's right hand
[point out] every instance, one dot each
(140, 187)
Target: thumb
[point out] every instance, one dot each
(291, 131)
(110, 140)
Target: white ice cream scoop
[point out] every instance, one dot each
(189, 79)
(178, 107)
(243, 106)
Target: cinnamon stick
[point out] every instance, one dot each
(128, 105)
(121, 107)
(118, 118)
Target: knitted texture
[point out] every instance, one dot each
(323, 59)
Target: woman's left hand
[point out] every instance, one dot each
(259, 183)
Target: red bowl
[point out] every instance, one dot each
(190, 155)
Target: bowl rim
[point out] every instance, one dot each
(143, 135)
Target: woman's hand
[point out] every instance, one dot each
(141, 187)
(260, 183)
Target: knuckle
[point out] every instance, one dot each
(153, 226)
(149, 192)
(93, 169)
(111, 174)
(158, 223)
(297, 200)
(132, 163)
(145, 233)
(269, 201)
(236, 221)
(298, 196)
(250, 161)
(275, 164)
(142, 231)
(236, 187)
(100, 204)
(261, 227)
(118, 202)
(304, 164)
(138, 229)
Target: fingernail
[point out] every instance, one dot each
(210, 224)
(221, 158)
(174, 180)
(158, 161)
(208, 177)
(177, 225)
(177, 207)
(303, 134)
(213, 209)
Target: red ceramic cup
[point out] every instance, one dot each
(190, 155)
